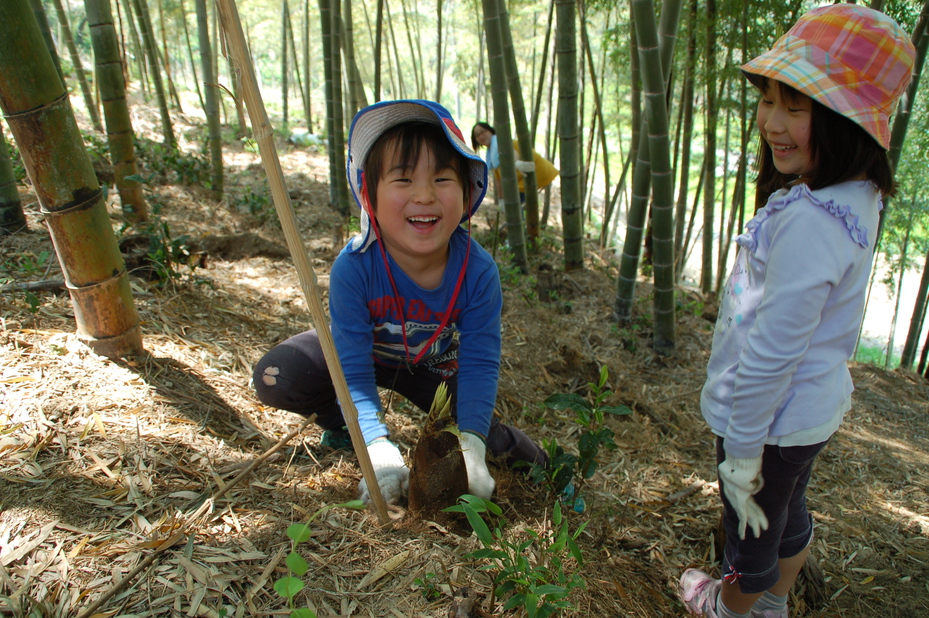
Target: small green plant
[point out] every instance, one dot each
(564, 468)
(257, 203)
(290, 585)
(430, 590)
(27, 265)
(541, 589)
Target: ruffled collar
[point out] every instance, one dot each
(782, 198)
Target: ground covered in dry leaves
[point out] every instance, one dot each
(103, 464)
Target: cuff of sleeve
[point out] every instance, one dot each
(483, 439)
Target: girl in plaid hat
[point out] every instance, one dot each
(777, 382)
(414, 300)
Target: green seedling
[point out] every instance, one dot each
(540, 587)
(291, 584)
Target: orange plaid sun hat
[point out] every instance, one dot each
(854, 60)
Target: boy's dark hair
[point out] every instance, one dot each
(474, 143)
(408, 140)
(842, 150)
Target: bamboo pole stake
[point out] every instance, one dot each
(261, 129)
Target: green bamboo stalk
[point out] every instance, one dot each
(78, 67)
(569, 134)
(119, 133)
(39, 113)
(151, 54)
(12, 218)
(209, 93)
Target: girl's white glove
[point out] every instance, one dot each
(525, 166)
(741, 480)
(393, 477)
(480, 483)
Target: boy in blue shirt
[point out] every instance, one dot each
(414, 300)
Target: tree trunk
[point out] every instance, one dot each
(893, 321)
(569, 134)
(119, 133)
(709, 189)
(537, 107)
(37, 108)
(295, 62)
(190, 56)
(338, 185)
(137, 51)
(655, 87)
(438, 53)
(12, 218)
(357, 97)
(151, 53)
(642, 174)
(78, 67)
(526, 145)
(498, 87)
(42, 20)
(378, 42)
(308, 84)
(687, 105)
(212, 109)
(902, 117)
(916, 320)
(285, 11)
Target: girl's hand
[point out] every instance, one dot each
(480, 483)
(741, 479)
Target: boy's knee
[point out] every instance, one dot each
(266, 379)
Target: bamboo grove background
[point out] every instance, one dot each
(640, 104)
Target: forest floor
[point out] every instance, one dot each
(102, 463)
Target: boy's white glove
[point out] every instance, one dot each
(525, 167)
(393, 477)
(480, 483)
(742, 479)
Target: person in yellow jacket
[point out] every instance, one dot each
(483, 134)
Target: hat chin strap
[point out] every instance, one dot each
(366, 204)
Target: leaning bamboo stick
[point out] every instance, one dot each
(261, 129)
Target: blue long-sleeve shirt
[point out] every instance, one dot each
(366, 327)
(789, 318)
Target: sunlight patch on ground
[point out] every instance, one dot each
(913, 518)
(903, 450)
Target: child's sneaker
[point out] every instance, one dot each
(337, 439)
(698, 591)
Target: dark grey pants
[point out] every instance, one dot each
(301, 384)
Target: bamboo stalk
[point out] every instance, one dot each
(261, 129)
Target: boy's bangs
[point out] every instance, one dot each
(408, 141)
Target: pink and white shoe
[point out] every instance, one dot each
(698, 591)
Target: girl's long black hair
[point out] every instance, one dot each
(841, 149)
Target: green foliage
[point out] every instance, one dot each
(529, 572)
(431, 591)
(563, 467)
(875, 355)
(257, 202)
(288, 586)
(174, 165)
(25, 266)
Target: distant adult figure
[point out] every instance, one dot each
(483, 134)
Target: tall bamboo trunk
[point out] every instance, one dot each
(37, 108)
(12, 218)
(498, 88)
(526, 145)
(209, 93)
(119, 133)
(916, 319)
(151, 54)
(292, 43)
(190, 56)
(686, 129)
(709, 190)
(285, 9)
(356, 92)
(307, 85)
(78, 67)
(378, 43)
(42, 20)
(569, 135)
(137, 50)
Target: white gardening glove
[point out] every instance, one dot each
(480, 483)
(393, 477)
(525, 167)
(741, 478)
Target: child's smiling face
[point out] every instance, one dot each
(418, 209)
(785, 124)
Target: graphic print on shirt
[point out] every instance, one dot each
(734, 299)
(421, 323)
